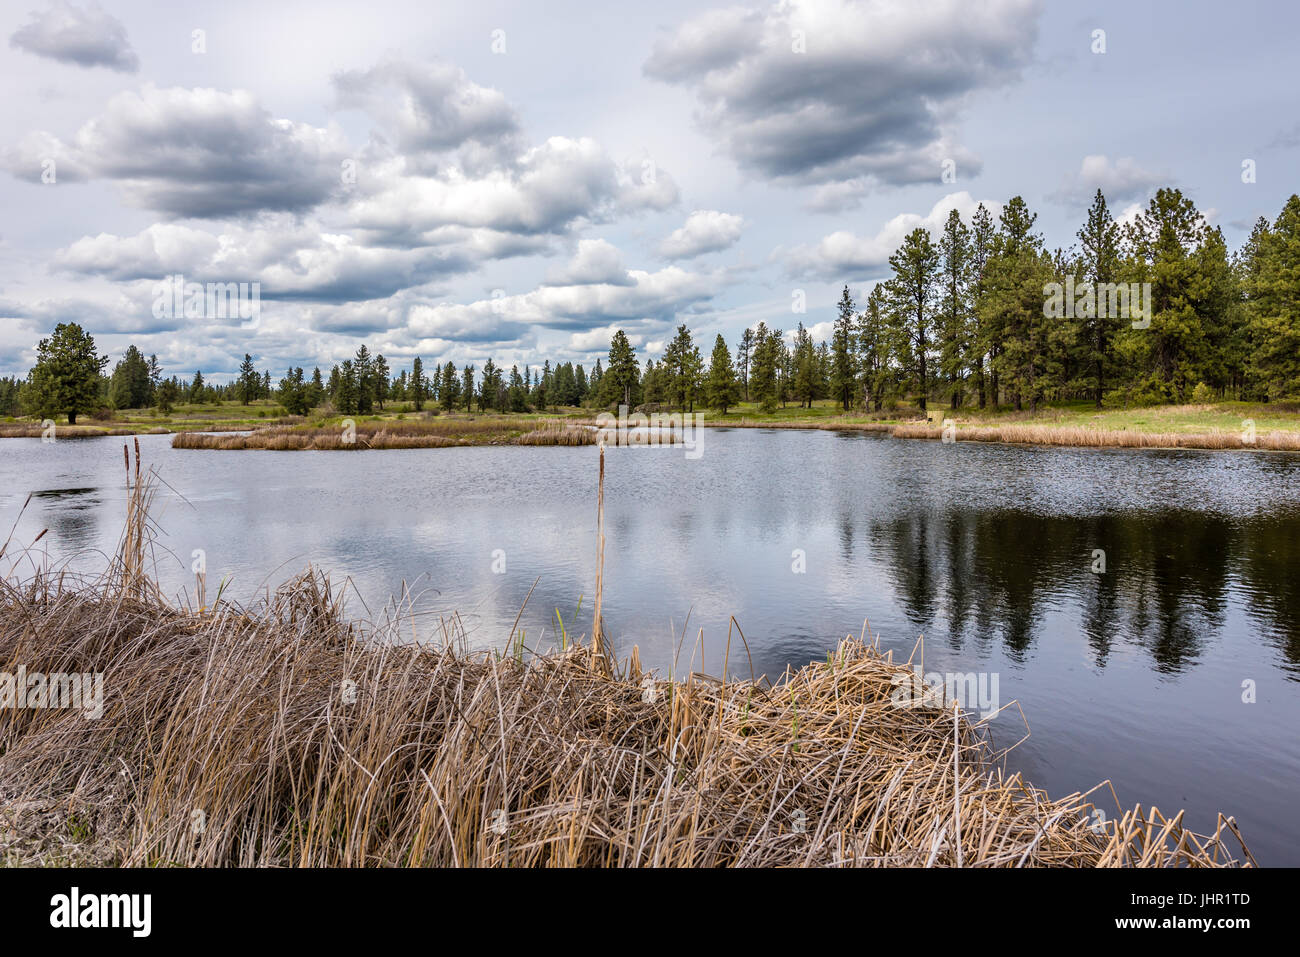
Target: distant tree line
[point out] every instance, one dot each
(1151, 311)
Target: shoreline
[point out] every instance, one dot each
(568, 428)
(1056, 436)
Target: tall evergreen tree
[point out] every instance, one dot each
(982, 234)
(249, 383)
(954, 332)
(449, 391)
(131, 385)
(744, 350)
(467, 387)
(722, 388)
(912, 295)
(843, 374)
(766, 362)
(417, 386)
(1099, 259)
(875, 347)
(364, 366)
(623, 375)
(1272, 287)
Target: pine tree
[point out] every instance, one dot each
(166, 395)
(875, 347)
(348, 394)
(580, 385)
(417, 387)
(1164, 240)
(379, 380)
(722, 377)
(955, 305)
(912, 295)
(65, 379)
(766, 363)
(680, 366)
(1272, 287)
(364, 367)
(623, 375)
(1099, 259)
(293, 392)
(130, 385)
(249, 382)
(316, 389)
(1012, 306)
(803, 386)
(744, 350)
(155, 380)
(449, 390)
(982, 237)
(843, 375)
(518, 392)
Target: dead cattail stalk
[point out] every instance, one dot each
(598, 625)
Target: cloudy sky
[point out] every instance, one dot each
(515, 180)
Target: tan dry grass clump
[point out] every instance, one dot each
(442, 432)
(23, 430)
(830, 424)
(1080, 436)
(559, 432)
(297, 739)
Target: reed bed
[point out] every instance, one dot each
(441, 432)
(559, 433)
(287, 734)
(830, 424)
(1102, 438)
(23, 430)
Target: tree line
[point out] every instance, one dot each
(1151, 311)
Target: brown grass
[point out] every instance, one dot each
(559, 433)
(22, 430)
(440, 432)
(288, 735)
(829, 424)
(1100, 438)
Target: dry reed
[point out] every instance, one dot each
(22, 430)
(441, 432)
(1079, 436)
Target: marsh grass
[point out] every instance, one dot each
(1080, 436)
(24, 430)
(287, 734)
(439, 432)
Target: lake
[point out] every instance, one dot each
(1174, 672)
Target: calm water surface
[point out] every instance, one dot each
(1135, 674)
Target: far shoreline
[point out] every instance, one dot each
(1234, 426)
